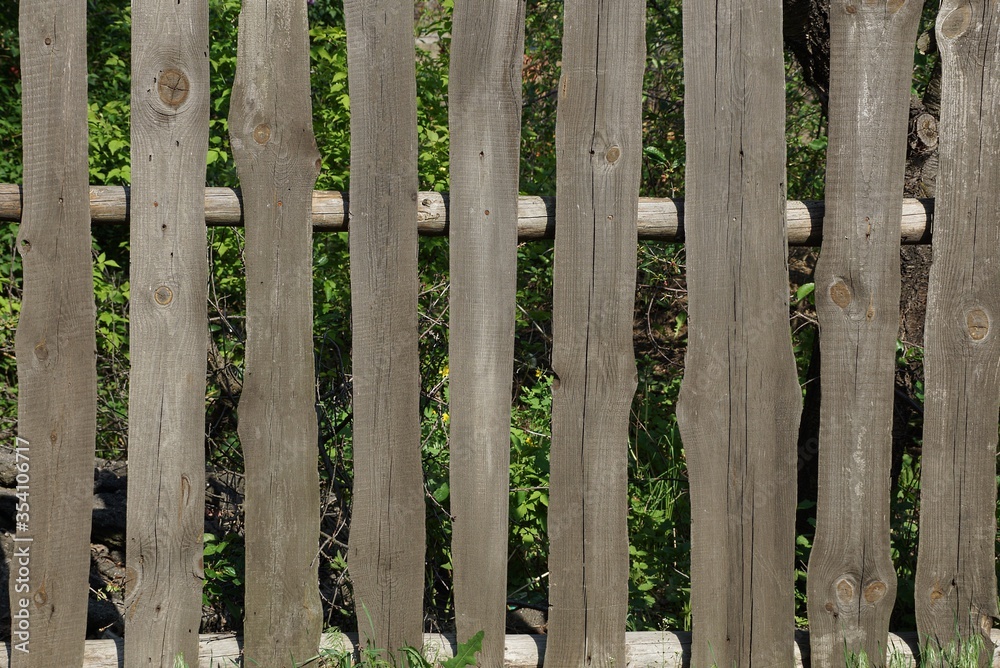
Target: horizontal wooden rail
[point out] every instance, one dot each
(649, 649)
(659, 219)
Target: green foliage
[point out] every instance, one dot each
(663, 102)
(542, 56)
(958, 653)
(10, 101)
(433, 59)
(530, 437)
(331, 102)
(465, 655)
(905, 505)
(224, 573)
(108, 81)
(805, 136)
(10, 307)
(659, 504)
(11, 171)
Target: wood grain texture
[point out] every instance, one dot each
(54, 344)
(277, 160)
(740, 399)
(598, 156)
(956, 586)
(169, 332)
(644, 649)
(852, 583)
(386, 548)
(484, 107)
(660, 219)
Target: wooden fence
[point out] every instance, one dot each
(740, 400)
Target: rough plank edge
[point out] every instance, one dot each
(659, 219)
(646, 649)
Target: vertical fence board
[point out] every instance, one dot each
(956, 588)
(169, 328)
(277, 159)
(386, 548)
(852, 583)
(55, 342)
(484, 100)
(740, 398)
(599, 156)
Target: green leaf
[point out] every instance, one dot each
(655, 154)
(679, 322)
(465, 655)
(818, 144)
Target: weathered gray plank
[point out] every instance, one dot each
(55, 343)
(169, 331)
(386, 550)
(956, 587)
(740, 399)
(852, 583)
(270, 123)
(599, 157)
(484, 107)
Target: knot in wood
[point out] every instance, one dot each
(936, 592)
(957, 21)
(613, 154)
(845, 590)
(262, 133)
(173, 87)
(978, 324)
(163, 295)
(41, 351)
(840, 294)
(875, 592)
